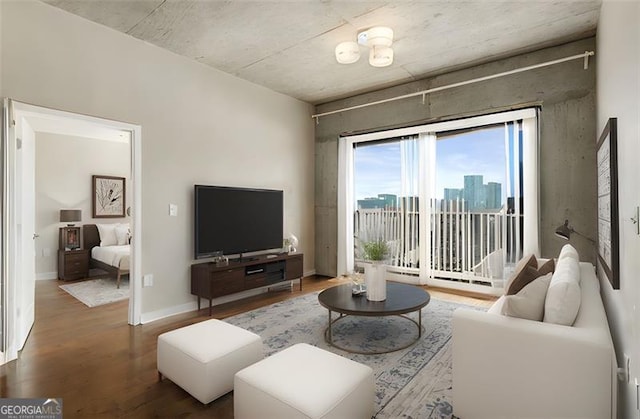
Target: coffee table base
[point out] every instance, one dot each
(328, 335)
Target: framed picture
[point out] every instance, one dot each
(608, 234)
(108, 196)
(69, 238)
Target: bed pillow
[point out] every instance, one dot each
(122, 234)
(529, 302)
(107, 234)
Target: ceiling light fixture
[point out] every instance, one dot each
(347, 52)
(378, 38)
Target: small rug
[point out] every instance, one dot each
(97, 292)
(411, 383)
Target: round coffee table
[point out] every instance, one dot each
(401, 299)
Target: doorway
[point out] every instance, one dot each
(21, 122)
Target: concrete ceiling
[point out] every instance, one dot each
(288, 46)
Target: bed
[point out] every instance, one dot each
(111, 256)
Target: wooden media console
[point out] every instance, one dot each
(210, 281)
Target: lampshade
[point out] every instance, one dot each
(70, 216)
(564, 231)
(380, 56)
(347, 52)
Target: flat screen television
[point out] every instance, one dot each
(236, 220)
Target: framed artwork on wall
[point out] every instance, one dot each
(108, 196)
(608, 235)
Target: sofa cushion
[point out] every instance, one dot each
(563, 297)
(568, 251)
(529, 302)
(525, 272)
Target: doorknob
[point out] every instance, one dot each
(35, 236)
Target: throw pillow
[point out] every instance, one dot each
(547, 267)
(107, 234)
(563, 299)
(529, 302)
(525, 272)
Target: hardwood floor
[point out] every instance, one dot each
(101, 367)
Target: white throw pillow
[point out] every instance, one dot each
(563, 297)
(528, 303)
(122, 234)
(569, 251)
(107, 234)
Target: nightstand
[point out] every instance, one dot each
(73, 264)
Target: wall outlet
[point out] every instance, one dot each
(173, 210)
(147, 280)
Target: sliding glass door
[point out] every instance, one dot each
(448, 198)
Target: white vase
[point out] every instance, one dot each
(375, 277)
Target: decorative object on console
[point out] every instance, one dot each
(108, 196)
(375, 272)
(70, 216)
(290, 243)
(608, 235)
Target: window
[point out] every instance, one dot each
(466, 178)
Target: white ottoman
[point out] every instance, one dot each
(202, 358)
(303, 381)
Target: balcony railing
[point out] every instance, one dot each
(466, 246)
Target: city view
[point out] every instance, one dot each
(476, 195)
(469, 167)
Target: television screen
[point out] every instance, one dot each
(237, 220)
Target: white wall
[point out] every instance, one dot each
(199, 125)
(64, 166)
(618, 95)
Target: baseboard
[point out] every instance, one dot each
(193, 306)
(46, 275)
(168, 312)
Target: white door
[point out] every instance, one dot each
(25, 227)
(4, 268)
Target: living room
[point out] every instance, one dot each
(201, 125)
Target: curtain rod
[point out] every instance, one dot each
(423, 93)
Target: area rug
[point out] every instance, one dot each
(410, 383)
(97, 292)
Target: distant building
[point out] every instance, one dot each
(494, 195)
(381, 201)
(476, 195)
(474, 192)
(452, 194)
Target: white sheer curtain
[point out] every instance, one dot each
(521, 144)
(345, 206)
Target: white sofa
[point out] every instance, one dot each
(508, 367)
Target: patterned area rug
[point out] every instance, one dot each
(410, 383)
(97, 292)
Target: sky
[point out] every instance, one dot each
(377, 167)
